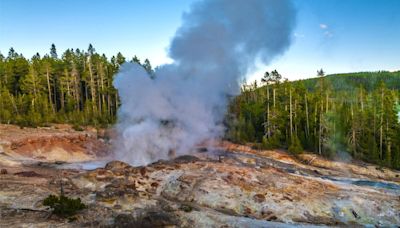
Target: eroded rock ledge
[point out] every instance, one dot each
(229, 186)
(202, 192)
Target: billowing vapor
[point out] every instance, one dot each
(183, 104)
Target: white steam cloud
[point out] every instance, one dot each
(183, 103)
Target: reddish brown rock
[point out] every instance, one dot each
(143, 171)
(259, 198)
(114, 165)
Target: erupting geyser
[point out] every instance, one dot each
(183, 103)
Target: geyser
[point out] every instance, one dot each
(183, 103)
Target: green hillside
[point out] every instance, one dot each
(353, 114)
(349, 81)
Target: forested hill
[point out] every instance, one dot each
(353, 114)
(73, 87)
(348, 81)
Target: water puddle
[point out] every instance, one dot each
(86, 165)
(366, 183)
(89, 165)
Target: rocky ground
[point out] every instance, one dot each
(227, 186)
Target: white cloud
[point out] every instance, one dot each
(323, 26)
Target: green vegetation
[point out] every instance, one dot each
(331, 115)
(76, 88)
(349, 81)
(63, 206)
(354, 113)
(186, 208)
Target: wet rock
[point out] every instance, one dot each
(166, 206)
(266, 213)
(287, 198)
(309, 218)
(59, 162)
(28, 174)
(186, 208)
(316, 172)
(247, 211)
(154, 184)
(186, 159)
(124, 221)
(117, 207)
(131, 186)
(160, 163)
(116, 190)
(202, 149)
(149, 219)
(158, 219)
(114, 165)
(143, 171)
(271, 218)
(109, 196)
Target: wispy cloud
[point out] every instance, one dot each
(326, 30)
(299, 35)
(328, 34)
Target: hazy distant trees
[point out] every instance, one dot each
(322, 115)
(74, 87)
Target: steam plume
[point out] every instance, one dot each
(184, 104)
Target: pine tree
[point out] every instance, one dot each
(53, 51)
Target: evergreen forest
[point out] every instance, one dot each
(335, 116)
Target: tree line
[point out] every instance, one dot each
(334, 115)
(317, 115)
(75, 87)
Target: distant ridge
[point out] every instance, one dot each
(348, 81)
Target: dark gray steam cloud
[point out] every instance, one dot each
(217, 44)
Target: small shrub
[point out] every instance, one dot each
(63, 206)
(186, 208)
(46, 125)
(257, 146)
(295, 145)
(271, 143)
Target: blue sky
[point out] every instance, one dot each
(336, 35)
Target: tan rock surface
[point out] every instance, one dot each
(229, 186)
